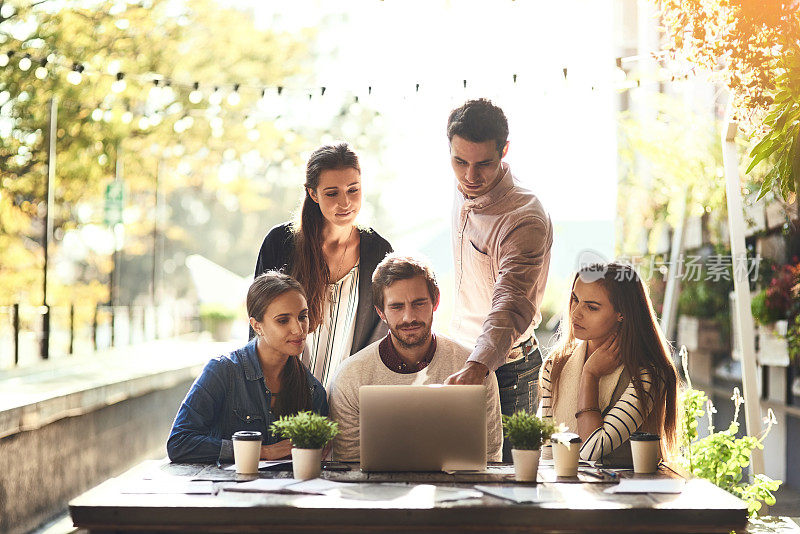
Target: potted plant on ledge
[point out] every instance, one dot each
(218, 319)
(309, 433)
(774, 308)
(527, 433)
(703, 309)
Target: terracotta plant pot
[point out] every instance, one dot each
(526, 464)
(306, 463)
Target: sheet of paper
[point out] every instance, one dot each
(262, 464)
(645, 485)
(263, 485)
(415, 495)
(316, 486)
(522, 494)
(172, 486)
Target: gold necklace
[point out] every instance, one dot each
(332, 286)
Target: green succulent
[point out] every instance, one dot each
(526, 431)
(306, 430)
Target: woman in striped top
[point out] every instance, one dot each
(611, 373)
(332, 258)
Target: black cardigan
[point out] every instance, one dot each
(275, 254)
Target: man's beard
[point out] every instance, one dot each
(424, 334)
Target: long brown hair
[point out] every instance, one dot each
(295, 394)
(642, 345)
(308, 262)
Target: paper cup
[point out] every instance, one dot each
(566, 453)
(646, 451)
(246, 451)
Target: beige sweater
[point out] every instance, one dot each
(366, 368)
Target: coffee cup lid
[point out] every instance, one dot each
(644, 436)
(247, 435)
(566, 437)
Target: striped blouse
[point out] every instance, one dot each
(622, 420)
(331, 342)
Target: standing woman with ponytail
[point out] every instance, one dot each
(611, 372)
(332, 258)
(251, 387)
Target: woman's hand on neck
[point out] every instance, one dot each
(603, 358)
(593, 344)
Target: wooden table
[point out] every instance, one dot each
(572, 506)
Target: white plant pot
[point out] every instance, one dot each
(306, 463)
(773, 348)
(526, 464)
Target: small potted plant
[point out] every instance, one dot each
(309, 433)
(218, 319)
(704, 317)
(527, 433)
(774, 309)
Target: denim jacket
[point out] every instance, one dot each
(229, 395)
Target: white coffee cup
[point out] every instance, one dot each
(246, 451)
(566, 453)
(646, 451)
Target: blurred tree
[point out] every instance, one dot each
(682, 158)
(131, 110)
(753, 47)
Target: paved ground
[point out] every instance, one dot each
(787, 503)
(47, 379)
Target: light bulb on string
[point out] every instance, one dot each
(233, 97)
(155, 91)
(216, 98)
(25, 63)
(119, 84)
(264, 102)
(195, 97)
(97, 115)
(74, 76)
(5, 58)
(41, 71)
(127, 117)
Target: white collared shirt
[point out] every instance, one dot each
(501, 247)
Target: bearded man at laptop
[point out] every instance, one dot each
(405, 294)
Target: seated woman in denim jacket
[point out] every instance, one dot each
(251, 387)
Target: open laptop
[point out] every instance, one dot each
(422, 428)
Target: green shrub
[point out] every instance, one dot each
(762, 313)
(306, 430)
(526, 431)
(720, 456)
(217, 312)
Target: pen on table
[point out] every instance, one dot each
(608, 473)
(593, 474)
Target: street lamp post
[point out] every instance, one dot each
(48, 224)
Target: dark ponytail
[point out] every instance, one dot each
(295, 395)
